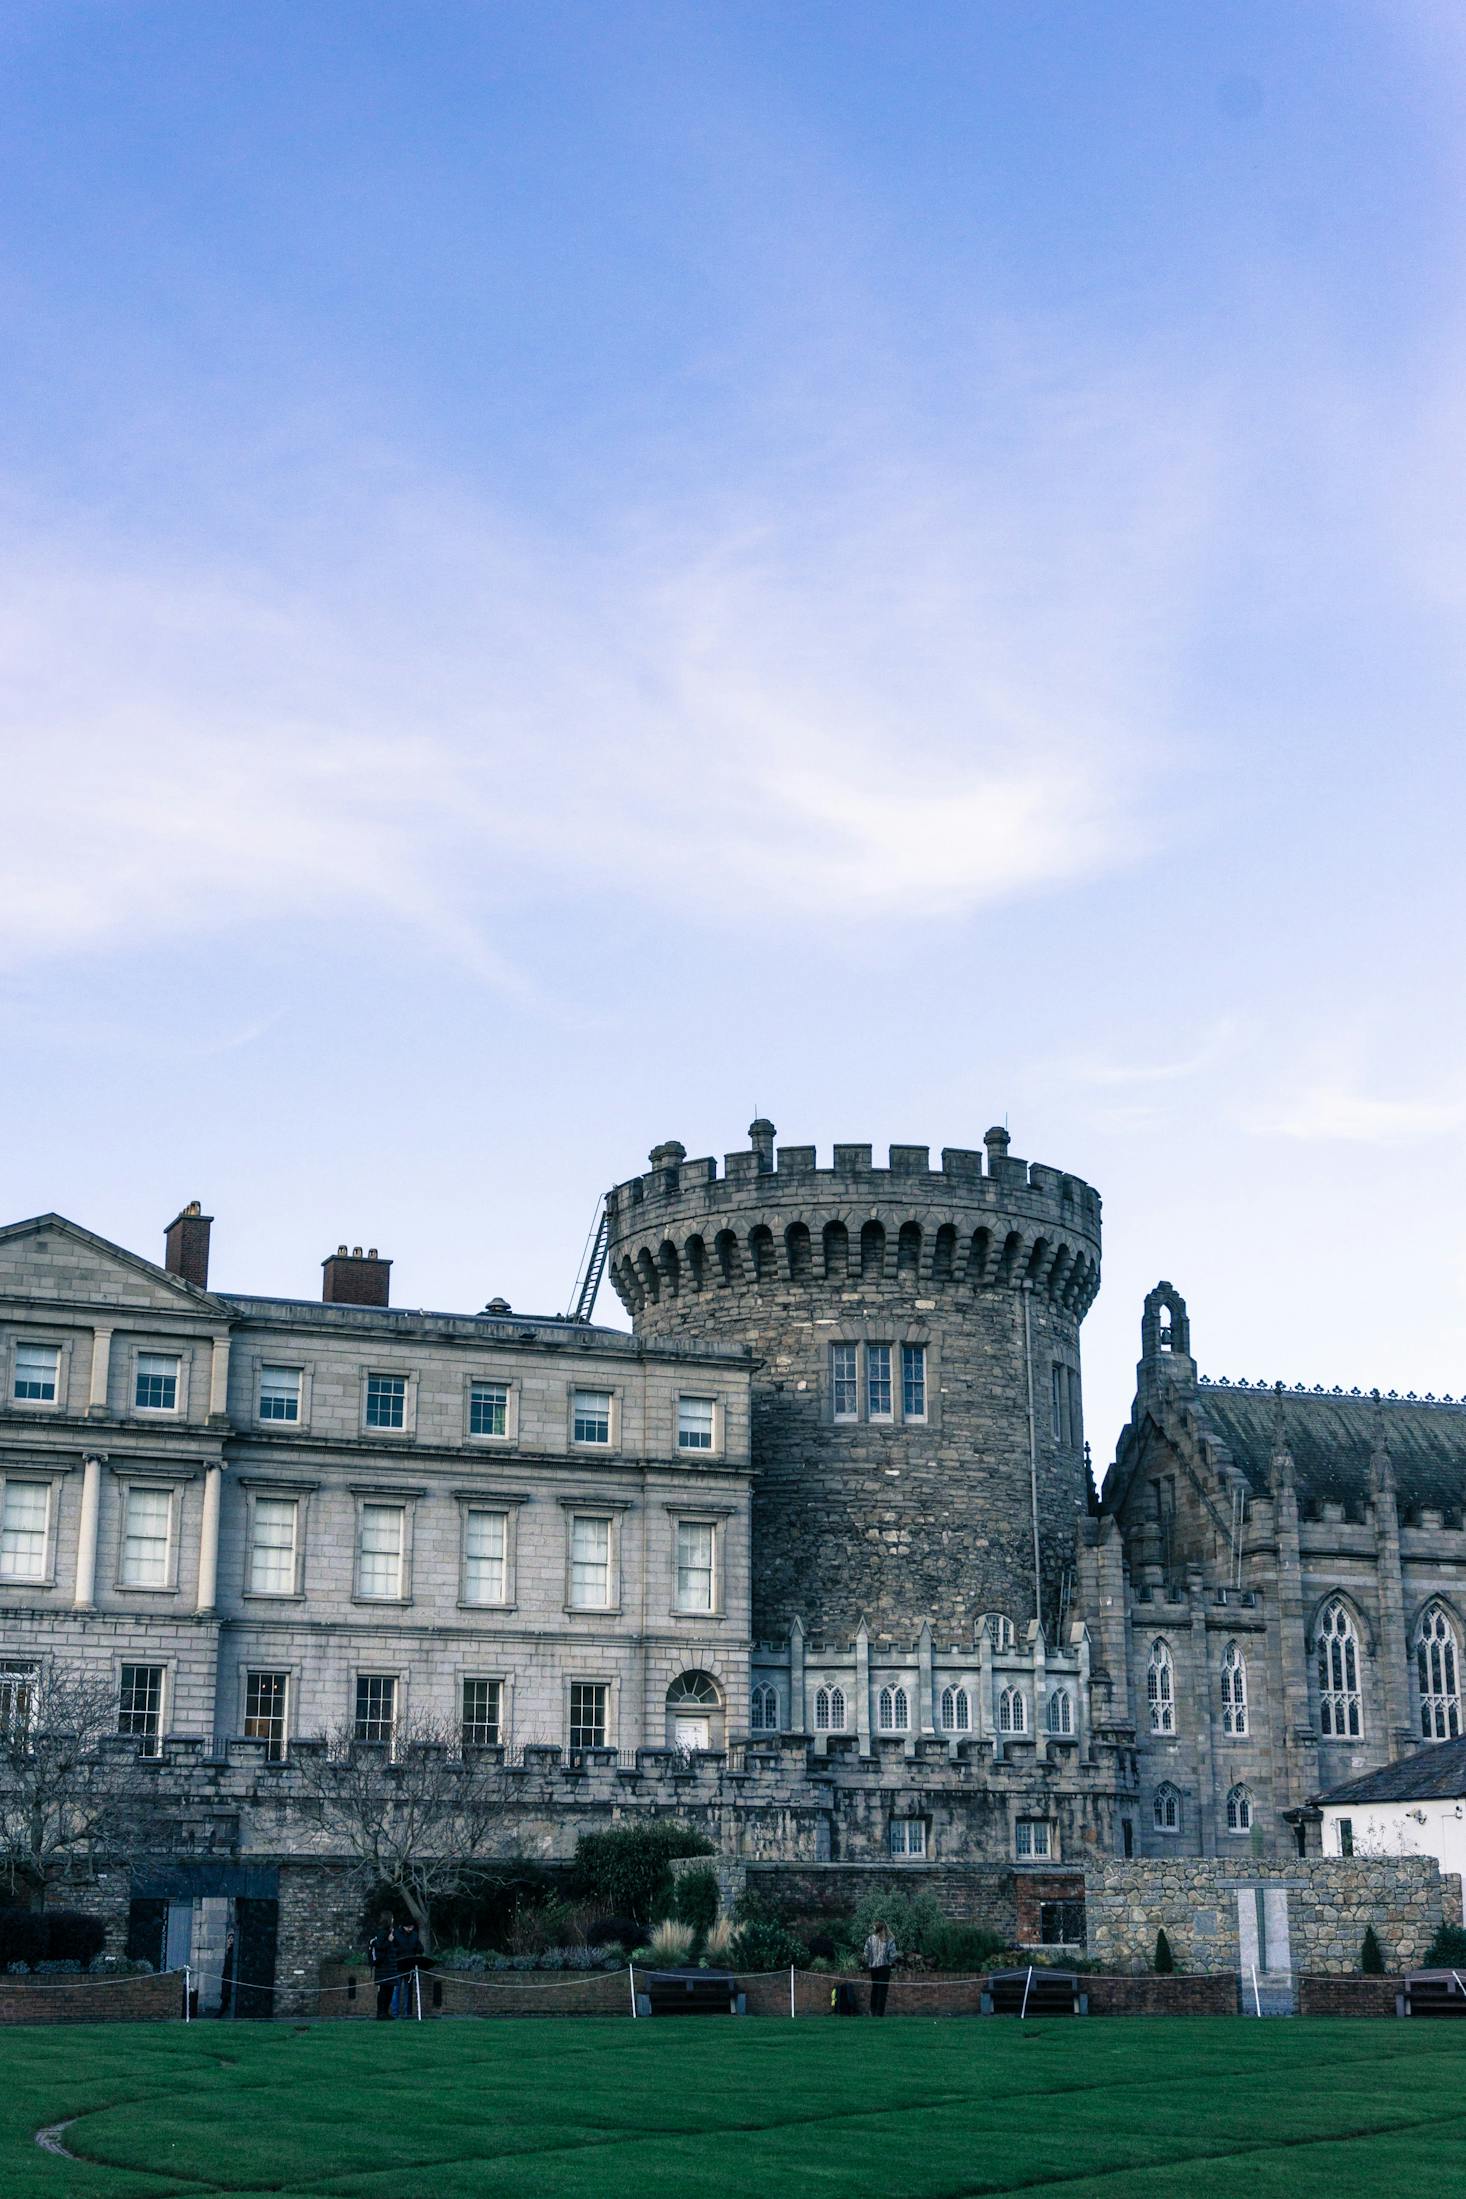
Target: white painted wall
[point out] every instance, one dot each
(1435, 1828)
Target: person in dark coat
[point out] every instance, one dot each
(409, 1955)
(226, 1982)
(382, 1955)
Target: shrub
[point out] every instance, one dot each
(762, 1941)
(821, 1947)
(30, 1938)
(695, 1899)
(966, 1948)
(671, 1942)
(915, 1919)
(1447, 1951)
(73, 1937)
(718, 1946)
(625, 1870)
(1165, 1961)
(623, 1931)
(1371, 1954)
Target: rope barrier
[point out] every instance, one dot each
(74, 1978)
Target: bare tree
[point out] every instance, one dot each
(69, 1786)
(423, 1817)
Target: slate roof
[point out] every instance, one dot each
(1331, 1438)
(1428, 1775)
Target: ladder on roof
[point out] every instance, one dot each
(592, 1266)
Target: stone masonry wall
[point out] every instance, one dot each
(1331, 1902)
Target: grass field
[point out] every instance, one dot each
(1174, 2109)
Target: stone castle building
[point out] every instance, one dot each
(818, 1536)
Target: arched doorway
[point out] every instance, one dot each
(694, 1712)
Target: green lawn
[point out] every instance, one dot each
(1128, 2108)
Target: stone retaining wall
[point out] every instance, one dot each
(155, 1998)
(1331, 1902)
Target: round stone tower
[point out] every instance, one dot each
(918, 1445)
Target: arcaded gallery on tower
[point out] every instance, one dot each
(813, 1550)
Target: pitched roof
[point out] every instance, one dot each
(1424, 1776)
(1331, 1437)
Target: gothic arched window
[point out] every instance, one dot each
(956, 1710)
(763, 1709)
(1012, 1711)
(1061, 1711)
(1438, 1668)
(892, 1710)
(1239, 1810)
(1160, 1688)
(1234, 1690)
(1338, 1675)
(829, 1710)
(1166, 1809)
(1001, 1629)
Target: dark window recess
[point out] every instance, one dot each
(146, 1924)
(1127, 1836)
(255, 1925)
(1061, 1923)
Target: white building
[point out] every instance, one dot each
(1414, 1807)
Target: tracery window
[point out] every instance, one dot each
(763, 1709)
(892, 1710)
(1239, 1810)
(1160, 1688)
(1001, 1630)
(1234, 1690)
(1061, 1711)
(1166, 1808)
(956, 1710)
(829, 1710)
(1338, 1675)
(1012, 1711)
(1438, 1668)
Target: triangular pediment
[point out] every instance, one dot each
(49, 1261)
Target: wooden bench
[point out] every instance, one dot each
(1034, 1992)
(1433, 1993)
(688, 1993)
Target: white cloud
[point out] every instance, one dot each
(1332, 1111)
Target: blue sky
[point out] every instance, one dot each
(570, 572)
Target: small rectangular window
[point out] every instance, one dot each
(17, 1698)
(913, 1381)
(590, 1562)
(485, 1556)
(1076, 1423)
(587, 1714)
(592, 1416)
(1061, 1923)
(376, 1706)
(1056, 1401)
(147, 1520)
(1346, 1836)
(695, 1423)
(1031, 1836)
(272, 1546)
(695, 1547)
(844, 1390)
(907, 1836)
(488, 1408)
(383, 1540)
(25, 1513)
(156, 1386)
(140, 1706)
(37, 1368)
(279, 1393)
(264, 1711)
(878, 1381)
(483, 1722)
(386, 1401)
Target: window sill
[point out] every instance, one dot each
(465, 1605)
(498, 1443)
(39, 1580)
(272, 1595)
(382, 1603)
(679, 1613)
(395, 1435)
(592, 1610)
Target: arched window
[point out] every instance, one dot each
(872, 1250)
(1234, 1690)
(763, 1709)
(1338, 1675)
(1160, 1688)
(1001, 1631)
(956, 1710)
(1438, 1668)
(1166, 1808)
(1061, 1711)
(829, 1710)
(1239, 1810)
(892, 1710)
(694, 1702)
(1012, 1711)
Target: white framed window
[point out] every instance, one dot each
(386, 1401)
(1031, 1838)
(878, 1382)
(844, 1382)
(485, 1555)
(893, 1710)
(481, 1714)
(590, 1561)
(1239, 1810)
(956, 1710)
(697, 1549)
(147, 1537)
(274, 1531)
(265, 1698)
(381, 1564)
(18, 1682)
(1438, 1670)
(155, 1382)
(1166, 1808)
(1012, 1711)
(140, 1706)
(829, 1710)
(280, 1393)
(1339, 1710)
(488, 1409)
(1000, 1632)
(695, 1423)
(25, 1530)
(913, 1381)
(1061, 1712)
(763, 1709)
(1234, 1691)
(906, 1836)
(588, 1714)
(1160, 1688)
(590, 1416)
(375, 1716)
(36, 1376)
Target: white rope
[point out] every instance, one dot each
(32, 1984)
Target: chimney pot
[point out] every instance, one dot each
(356, 1279)
(186, 1245)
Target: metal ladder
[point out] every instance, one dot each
(592, 1266)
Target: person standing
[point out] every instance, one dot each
(226, 1981)
(382, 1955)
(881, 1952)
(409, 1955)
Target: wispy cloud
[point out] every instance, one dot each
(1212, 1046)
(1334, 1111)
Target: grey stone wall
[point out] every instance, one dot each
(1331, 1903)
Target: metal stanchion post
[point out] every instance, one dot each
(791, 1989)
(187, 1994)
(631, 1980)
(417, 1991)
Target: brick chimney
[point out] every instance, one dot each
(186, 1245)
(356, 1278)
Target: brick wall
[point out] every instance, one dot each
(1347, 1996)
(157, 1998)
